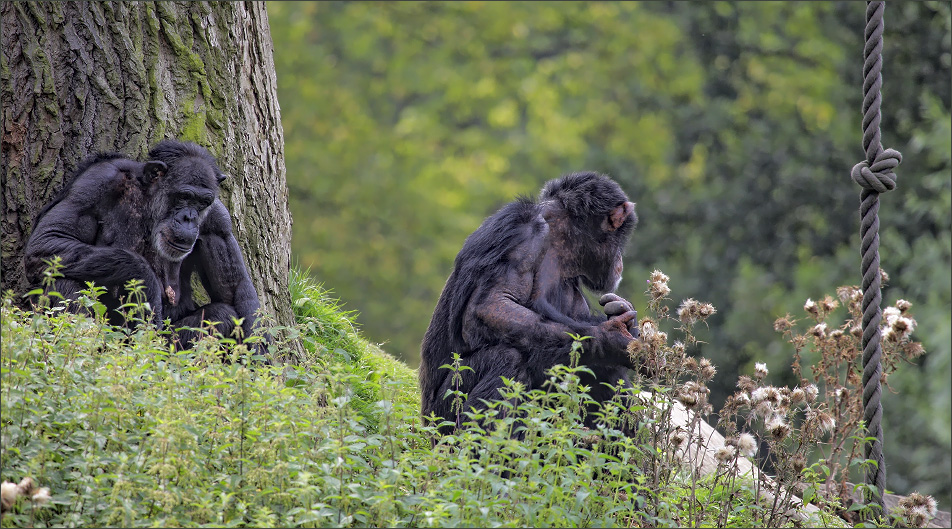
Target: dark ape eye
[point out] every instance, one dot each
(203, 201)
(199, 200)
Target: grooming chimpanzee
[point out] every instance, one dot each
(515, 295)
(158, 221)
(96, 225)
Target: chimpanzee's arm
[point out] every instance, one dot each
(222, 267)
(501, 314)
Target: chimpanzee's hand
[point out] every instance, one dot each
(615, 337)
(153, 289)
(616, 305)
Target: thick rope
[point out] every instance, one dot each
(875, 175)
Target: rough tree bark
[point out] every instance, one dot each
(84, 77)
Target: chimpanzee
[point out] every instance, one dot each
(96, 224)
(515, 295)
(191, 233)
(159, 221)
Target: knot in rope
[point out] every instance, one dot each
(880, 176)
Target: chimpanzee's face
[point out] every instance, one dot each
(181, 202)
(602, 252)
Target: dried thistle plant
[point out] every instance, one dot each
(821, 416)
(916, 510)
(830, 391)
(657, 293)
(11, 492)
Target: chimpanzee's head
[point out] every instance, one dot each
(182, 197)
(590, 219)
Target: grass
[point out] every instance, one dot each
(330, 337)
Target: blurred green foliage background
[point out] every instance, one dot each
(732, 125)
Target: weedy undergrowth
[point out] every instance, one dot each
(123, 430)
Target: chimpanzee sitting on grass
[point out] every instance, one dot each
(515, 294)
(159, 221)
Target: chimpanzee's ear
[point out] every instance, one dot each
(153, 171)
(618, 215)
(221, 177)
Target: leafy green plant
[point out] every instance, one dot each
(122, 430)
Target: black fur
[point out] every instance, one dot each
(95, 224)
(515, 294)
(82, 168)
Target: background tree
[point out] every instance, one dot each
(732, 125)
(84, 77)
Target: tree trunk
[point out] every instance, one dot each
(86, 77)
